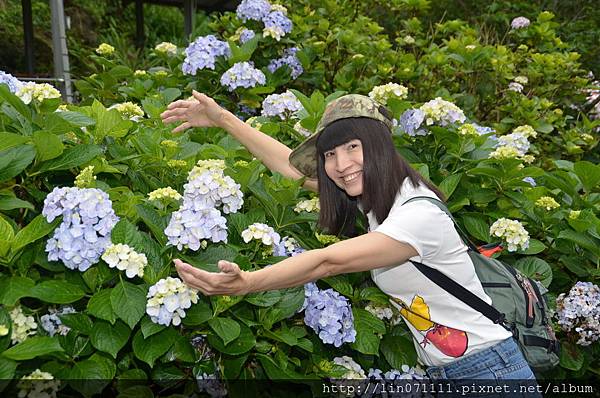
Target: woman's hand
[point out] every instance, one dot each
(230, 281)
(202, 111)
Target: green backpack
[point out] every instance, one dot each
(519, 303)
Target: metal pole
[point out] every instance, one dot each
(28, 34)
(189, 12)
(59, 48)
(139, 23)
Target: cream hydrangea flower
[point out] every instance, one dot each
(574, 214)
(164, 193)
(140, 73)
(36, 91)
(521, 80)
(161, 73)
(380, 312)
(262, 232)
(85, 178)
(278, 7)
(511, 231)
(525, 130)
(23, 325)
(124, 258)
(38, 384)
(105, 49)
(129, 110)
(505, 152)
(326, 239)
(177, 163)
(383, 93)
(169, 144)
(167, 300)
(308, 205)
(442, 112)
(547, 203)
(3, 330)
(354, 369)
(167, 48)
(468, 129)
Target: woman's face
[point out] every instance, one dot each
(344, 165)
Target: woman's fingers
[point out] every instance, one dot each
(182, 127)
(228, 267)
(179, 104)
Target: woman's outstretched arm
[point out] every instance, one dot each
(363, 253)
(203, 111)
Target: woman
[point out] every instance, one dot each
(351, 161)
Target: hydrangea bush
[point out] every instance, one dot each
(96, 202)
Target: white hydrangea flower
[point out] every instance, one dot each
(129, 110)
(38, 384)
(380, 312)
(124, 258)
(262, 232)
(520, 23)
(36, 91)
(511, 231)
(23, 325)
(516, 87)
(284, 105)
(439, 111)
(308, 205)
(354, 370)
(384, 92)
(167, 300)
(164, 193)
(167, 48)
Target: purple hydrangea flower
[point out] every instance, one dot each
(283, 105)
(482, 130)
(287, 247)
(530, 181)
(242, 74)
(246, 35)
(411, 120)
(519, 23)
(253, 9)
(202, 53)
(277, 25)
(330, 315)
(12, 82)
(289, 58)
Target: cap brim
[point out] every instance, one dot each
(304, 157)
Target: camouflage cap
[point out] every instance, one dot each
(304, 157)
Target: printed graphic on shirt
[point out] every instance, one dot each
(449, 341)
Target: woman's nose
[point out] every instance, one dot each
(342, 161)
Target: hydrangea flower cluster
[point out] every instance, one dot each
(277, 25)
(355, 371)
(36, 91)
(511, 231)
(169, 144)
(579, 311)
(514, 145)
(164, 193)
(574, 214)
(468, 129)
(308, 205)
(85, 178)
(202, 53)
(547, 202)
(330, 315)
(38, 384)
(246, 35)
(129, 110)
(253, 9)
(405, 373)
(525, 130)
(198, 217)
(289, 59)
(284, 105)
(288, 247)
(140, 73)
(166, 48)
(411, 121)
(326, 239)
(383, 93)
(212, 384)
(124, 258)
(262, 232)
(516, 87)
(51, 322)
(519, 23)
(167, 300)
(530, 181)
(12, 82)
(23, 325)
(242, 74)
(444, 113)
(514, 140)
(380, 312)
(105, 49)
(88, 219)
(3, 330)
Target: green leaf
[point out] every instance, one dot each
(128, 302)
(477, 227)
(57, 292)
(47, 145)
(244, 343)
(76, 119)
(341, 284)
(449, 184)
(581, 240)
(197, 314)
(366, 325)
(78, 321)
(6, 230)
(571, 356)
(535, 268)
(7, 370)
(150, 349)
(89, 377)
(13, 161)
(13, 288)
(100, 306)
(398, 350)
(33, 347)
(10, 202)
(109, 338)
(109, 122)
(72, 157)
(155, 222)
(11, 140)
(263, 299)
(36, 229)
(149, 328)
(15, 101)
(227, 329)
(588, 173)
(535, 247)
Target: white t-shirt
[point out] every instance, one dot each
(444, 328)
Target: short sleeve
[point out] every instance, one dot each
(420, 224)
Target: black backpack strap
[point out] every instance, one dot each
(461, 293)
(463, 235)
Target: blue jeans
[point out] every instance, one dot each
(497, 370)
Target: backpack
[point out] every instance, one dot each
(519, 303)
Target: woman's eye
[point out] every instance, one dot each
(328, 154)
(353, 146)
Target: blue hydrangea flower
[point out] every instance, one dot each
(246, 35)
(530, 181)
(277, 25)
(514, 140)
(253, 9)
(282, 105)
(482, 130)
(330, 315)
(287, 247)
(84, 234)
(242, 74)
(289, 58)
(12, 82)
(411, 121)
(202, 53)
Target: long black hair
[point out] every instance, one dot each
(384, 171)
